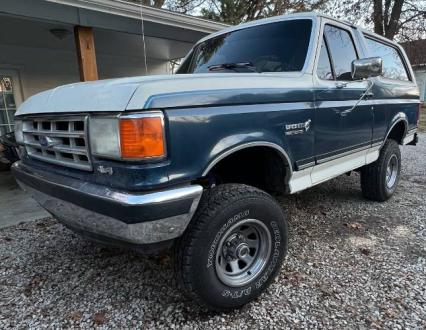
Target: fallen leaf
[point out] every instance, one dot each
(326, 291)
(99, 318)
(35, 282)
(295, 278)
(391, 313)
(376, 325)
(354, 225)
(77, 316)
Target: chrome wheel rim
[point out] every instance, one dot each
(392, 171)
(243, 252)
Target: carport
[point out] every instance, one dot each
(47, 43)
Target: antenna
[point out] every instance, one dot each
(143, 38)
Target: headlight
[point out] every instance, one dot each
(19, 135)
(131, 137)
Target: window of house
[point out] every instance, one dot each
(7, 104)
(393, 65)
(342, 51)
(324, 70)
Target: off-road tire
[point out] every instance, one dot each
(373, 176)
(222, 209)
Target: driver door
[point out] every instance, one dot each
(343, 121)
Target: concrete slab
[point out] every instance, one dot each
(16, 206)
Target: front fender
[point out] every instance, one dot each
(200, 137)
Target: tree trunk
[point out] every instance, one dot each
(392, 27)
(378, 17)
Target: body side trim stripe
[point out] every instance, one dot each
(221, 97)
(325, 160)
(305, 166)
(319, 173)
(346, 150)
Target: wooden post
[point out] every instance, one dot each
(85, 45)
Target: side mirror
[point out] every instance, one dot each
(367, 68)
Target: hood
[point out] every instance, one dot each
(94, 96)
(162, 91)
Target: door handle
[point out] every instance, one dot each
(341, 85)
(368, 94)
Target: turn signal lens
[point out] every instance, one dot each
(142, 137)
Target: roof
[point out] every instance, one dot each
(262, 21)
(416, 52)
(133, 10)
(306, 15)
(112, 15)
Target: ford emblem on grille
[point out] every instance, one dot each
(46, 141)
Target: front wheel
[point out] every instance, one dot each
(380, 179)
(233, 248)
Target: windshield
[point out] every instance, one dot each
(274, 47)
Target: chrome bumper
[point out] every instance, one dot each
(120, 216)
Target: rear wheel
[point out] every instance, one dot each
(380, 179)
(233, 248)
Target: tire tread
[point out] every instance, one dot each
(212, 200)
(371, 178)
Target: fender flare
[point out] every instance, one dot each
(234, 149)
(400, 116)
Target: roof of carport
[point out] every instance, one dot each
(114, 15)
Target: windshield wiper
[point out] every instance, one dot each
(233, 66)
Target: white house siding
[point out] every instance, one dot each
(41, 68)
(421, 82)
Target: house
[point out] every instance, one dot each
(416, 52)
(46, 43)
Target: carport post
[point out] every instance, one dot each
(86, 55)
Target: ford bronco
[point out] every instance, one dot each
(190, 161)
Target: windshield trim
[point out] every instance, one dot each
(309, 52)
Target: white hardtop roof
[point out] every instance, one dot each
(303, 15)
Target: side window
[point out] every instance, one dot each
(324, 70)
(393, 66)
(342, 51)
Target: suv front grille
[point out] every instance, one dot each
(58, 140)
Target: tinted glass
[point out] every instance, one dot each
(393, 66)
(324, 67)
(342, 51)
(275, 47)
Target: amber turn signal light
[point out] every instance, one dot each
(142, 137)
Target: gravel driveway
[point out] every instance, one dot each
(351, 264)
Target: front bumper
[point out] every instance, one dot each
(98, 211)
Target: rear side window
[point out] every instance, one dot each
(342, 51)
(393, 65)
